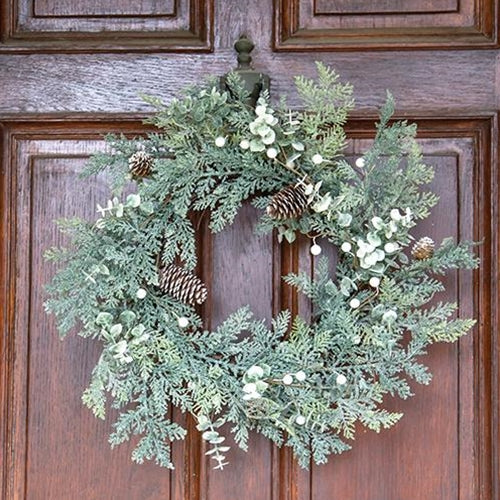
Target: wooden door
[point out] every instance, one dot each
(72, 70)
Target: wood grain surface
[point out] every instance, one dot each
(102, 8)
(70, 72)
(343, 7)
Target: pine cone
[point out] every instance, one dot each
(423, 249)
(140, 164)
(182, 285)
(288, 203)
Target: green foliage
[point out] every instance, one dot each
(301, 384)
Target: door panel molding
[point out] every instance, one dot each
(42, 26)
(331, 25)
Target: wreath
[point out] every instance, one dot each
(128, 279)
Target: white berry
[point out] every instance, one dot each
(360, 162)
(300, 376)
(346, 247)
(355, 303)
(182, 322)
(244, 144)
(287, 379)
(220, 142)
(315, 249)
(272, 153)
(341, 379)
(300, 419)
(141, 293)
(317, 159)
(374, 282)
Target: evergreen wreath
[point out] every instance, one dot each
(129, 278)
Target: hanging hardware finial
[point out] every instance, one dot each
(244, 47)
(255, 81)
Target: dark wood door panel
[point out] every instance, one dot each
(302, 25)
(32, 26)
(56, 447)
(56, 443)
(392, 465)
(240, 273)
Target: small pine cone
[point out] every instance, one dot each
(423, 249)
(288, 203)
(182, 285)
(140, 164)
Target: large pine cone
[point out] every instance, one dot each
(182, 285)
(288, 203)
